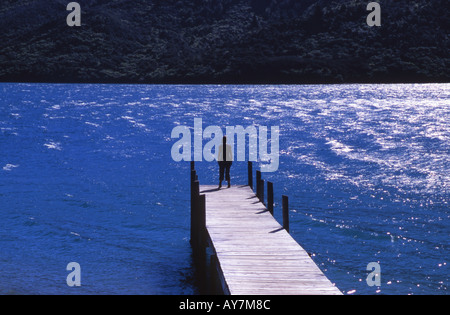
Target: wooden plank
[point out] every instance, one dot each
(255, 255)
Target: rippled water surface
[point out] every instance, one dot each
(86, 175)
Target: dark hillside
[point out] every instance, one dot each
(224, 41)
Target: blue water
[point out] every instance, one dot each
(86, 176)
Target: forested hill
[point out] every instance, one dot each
(224, 41)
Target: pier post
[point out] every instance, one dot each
(286, 213)
(250, 174)
(201, 221)
(199, 243)
(270, 197)
(193, 176)
(261, 191)
(198, 229)
(258, 178)
(195, 192)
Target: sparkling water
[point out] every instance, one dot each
(86, 176)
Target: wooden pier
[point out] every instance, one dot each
(252, 254)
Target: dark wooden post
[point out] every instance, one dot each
(194, 210)
(201, 241)
(270, 197)
(250, 174)
(261, 191)
(193, 176)
(286, 213)
(258, 179)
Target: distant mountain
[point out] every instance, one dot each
(224, 41)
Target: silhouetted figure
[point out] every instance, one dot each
(225, 159)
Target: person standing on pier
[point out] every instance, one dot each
(225, 159)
